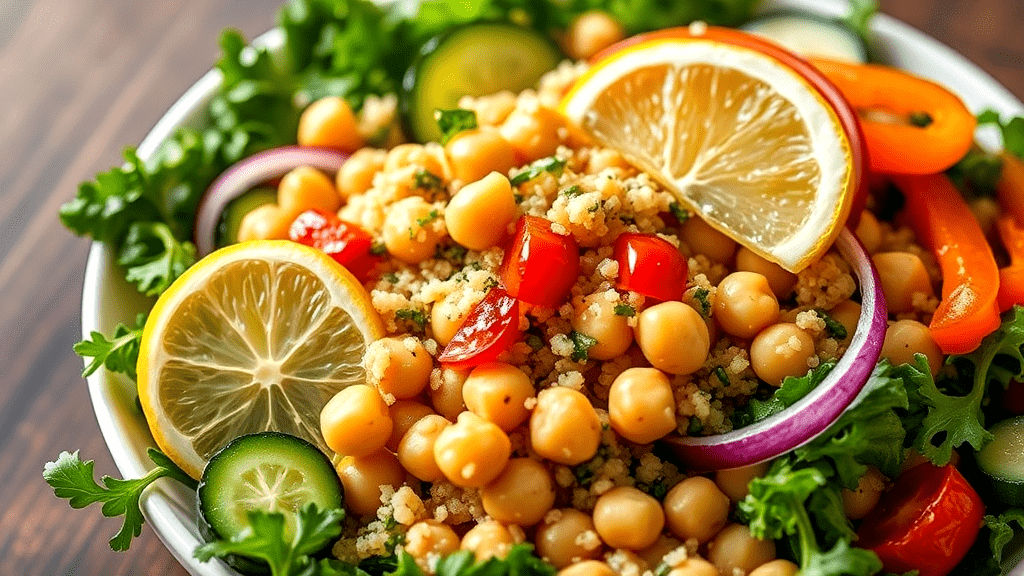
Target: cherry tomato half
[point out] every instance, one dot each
(650, 266)
(347, 243)
(540, 266)
(927, 522)
(489, 329)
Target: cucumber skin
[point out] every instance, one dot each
(752, 26)
(244, 564)
(1007, 489)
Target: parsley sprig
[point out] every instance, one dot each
(117, 355)
(73, 479)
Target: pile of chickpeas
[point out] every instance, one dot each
(456, 426)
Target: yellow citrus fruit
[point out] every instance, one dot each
(739, 130)
(256, 336)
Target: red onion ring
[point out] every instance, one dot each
(812, 414)
(249, 172)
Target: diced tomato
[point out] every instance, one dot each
(651, 266)
(489, 329)
(927, 522)
(540, 266)
(347, 243)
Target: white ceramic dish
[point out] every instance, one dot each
(107, 299)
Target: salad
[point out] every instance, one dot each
(574, 287)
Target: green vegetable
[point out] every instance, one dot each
(977, 173)
(550, 164)
(791, 390)
(581, 345)
(950, 412)
(1012, 130)
(678, 211)
(859, 18)
(520, 561)
(986, 556)
(231, 218)
(118, 355)
(833, 327)
(624, 310)
(1002, 461)
(643, 15)
(451, 122)
(72, 479)
(415, 316)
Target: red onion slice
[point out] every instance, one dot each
(812, 414)
(250, 172)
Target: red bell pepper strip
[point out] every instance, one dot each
(927, 522)
(1011, 278)
(970, 278)
(540, 266)
(348, 244)
(650, 265)
(902, 147)
(489, 329)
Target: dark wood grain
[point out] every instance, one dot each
(79, 81)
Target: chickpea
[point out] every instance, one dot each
(416, 449)
(654, 554)
(412, 230)
(734, 547)
(474, 154)
(522, 494)
(497, 392)
(408, 367)
(591, 32)
(488, 539)
(696, 508)
(846, 313)
(472, 452)
(404, 413)
(902, 275)
(266, 222)
(595, 316)
(446, 317)
(904, 338)
(431, 537)
(447, 397)
(869, 232)
(857, 503)
(779, 279)
(533, 131)
(564, 427)
(362, 477)
(304, 188)
(704, 239)
(776, 568)
(628, 518)
(735, 482)
(492, 109)
(641, 406)
(356, 421)
(330, 122)
(429, 157)
(479, 213)
(744, 304)
(781, 350)
(356, 175)
(587, 568)
(673, 337)
(563, 538)
(695, 566)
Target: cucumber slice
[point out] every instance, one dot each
(475, 60)
(265, 471)
(810, 35)
(231, 217)
(1002, 460)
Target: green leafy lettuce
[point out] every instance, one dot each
(792, 389)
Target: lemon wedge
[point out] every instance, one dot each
(255, 337)
(740, 131)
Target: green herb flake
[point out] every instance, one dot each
(378, 249)
(550, 164)
(581, 345)
(415, 316)
(572, 191)
(451, 122)
(391, 277)
(518, 198)
(426, 180)
(534, 342)
(695, 426)
(721, 375)
(491, 282)
(624, 310)
(678, 211)
(833, 327)
(430, 217)
(701, 296)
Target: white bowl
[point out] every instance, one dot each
(108, 300)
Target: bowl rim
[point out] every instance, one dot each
(168, 507)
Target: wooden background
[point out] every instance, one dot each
(78, 81)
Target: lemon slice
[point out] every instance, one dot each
(254, 337)
(741, 136)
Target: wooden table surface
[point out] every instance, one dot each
(78, 82)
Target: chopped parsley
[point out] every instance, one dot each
(572, 191)
(415, 316)
(550, 164)
(722, 376)
(681, 214)
(430, 217)
(427, 180)
(625, 310)
(581, 346)
(451, 122)
(701, 296)
(378, 249)
(391, 277)
(833, 327)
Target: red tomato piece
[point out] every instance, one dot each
(651, 266)
(489, 329)
(540, 266)
(927, 522)
(347, 243)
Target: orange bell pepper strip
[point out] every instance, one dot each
(1010, 187)
(886, 99)
(1011, 278)
(970, 278)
